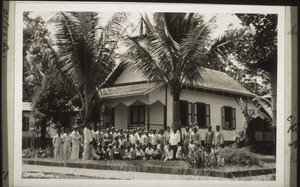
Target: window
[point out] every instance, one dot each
(137, 114)
(202, 114)
(25, 126)
(228, 118)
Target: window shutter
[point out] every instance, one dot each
(207, 115)
(183, 109)
(201, 114)
(223, 116)
(190, 108)
(233, 119)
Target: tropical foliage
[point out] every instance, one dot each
(86, 52)
(174, 50)
(258, 50)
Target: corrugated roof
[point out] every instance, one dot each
(127, 90)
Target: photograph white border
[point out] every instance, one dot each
(20, 7)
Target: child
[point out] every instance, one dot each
(191, 148)
(168, 154)
(156, 153)
(127, 153)
(149, 151)
(139, 153)
(117, 152)
(179, 153)
(110, 152)
(100, 151)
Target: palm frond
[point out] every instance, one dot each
(223, 45)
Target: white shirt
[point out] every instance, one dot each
(174, 138)
(88, 136)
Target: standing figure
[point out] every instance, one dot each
(57, 144)
(209, 139)
(167, 135)
(75, 144)
(219, 138)
(186, 140)
(174, 140)
(67, 139)
(88, 138)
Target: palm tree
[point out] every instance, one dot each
(175, 49)
(86, 51)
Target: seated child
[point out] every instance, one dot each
(149, 151)
(156, 153)
(110, 152)
(139, 153)
(100, 151)
(179, 153)
(117, 152)
(127, 153)
(168, 154)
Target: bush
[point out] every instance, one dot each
(227, 156)
(238, 157)
(37, 153)
(201, 159)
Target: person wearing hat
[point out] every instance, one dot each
(75, 143)
(209, 139)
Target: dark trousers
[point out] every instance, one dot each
(174, 148)
(208, 147)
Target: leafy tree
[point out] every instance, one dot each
(86, 52)
(42, 82)
(35, 53)
(175, 49)
(258, 50)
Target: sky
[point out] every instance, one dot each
(222, 20)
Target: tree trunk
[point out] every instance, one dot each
(176, 110)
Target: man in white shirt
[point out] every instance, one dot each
(88, 138)
(174, 140)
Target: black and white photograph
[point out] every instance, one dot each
(155, 94)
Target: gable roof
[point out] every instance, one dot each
(211, 80)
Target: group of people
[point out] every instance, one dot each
(118, 144)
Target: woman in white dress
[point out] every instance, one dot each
(75, 144)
